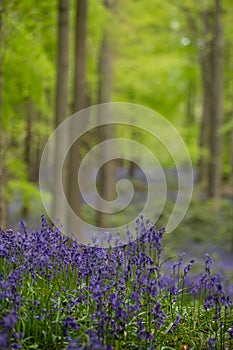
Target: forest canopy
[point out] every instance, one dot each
(58, 57)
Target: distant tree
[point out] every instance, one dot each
(228, 122)
(231, 151)
(215, 47)
(28, 152)
(2, 209)
(191, 101)
(80, 101)
(210, 46)
(205, 63)
(106, 132)
(80, 83)
(62, 61)
(61, 101)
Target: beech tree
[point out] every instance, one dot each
(212, 75)
(206, 28)
(2, 209)
(61, 102)
(28, 152)
(79, 102)
(106, 132)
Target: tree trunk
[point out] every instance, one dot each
(231, 170)
(80, 102)
(80, 91)
(215, 140)
(2, 202)
(62, 61)
(61, 102)
(37, 152)
(206, 70)
(212, 58)
(190, 111)
(27, 153)
(106, 132)
(231, 153)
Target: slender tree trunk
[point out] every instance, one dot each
(2, 202)
(61, 102)
(62, 61)
(37, 150)
(80, 89)
(231, 153)
(231, 169)
(107, 172)
(206, 70)
(215, 141)
(27, 153)
(80, 102)
(190, 112)
(212, 60)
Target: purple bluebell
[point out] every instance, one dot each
(230, 331)
(211, 343)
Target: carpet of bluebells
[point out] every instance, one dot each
(58, 294)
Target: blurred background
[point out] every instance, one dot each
(176, 57)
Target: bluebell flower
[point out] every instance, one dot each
(16, 346)
(10, 320)
(4, 340)
(188, 267)
(211, 343)
(69, 322)
(230, 331)
(158, 315)
(177, 322)
(208, 263)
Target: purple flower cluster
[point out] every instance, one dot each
(212, 343)
(83, 297)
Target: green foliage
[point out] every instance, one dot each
(28, 57)
(204, 228)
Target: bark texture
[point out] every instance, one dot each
(61, 101)
(212, 61)
(80, 102)
(2, 201)
(106, 132)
